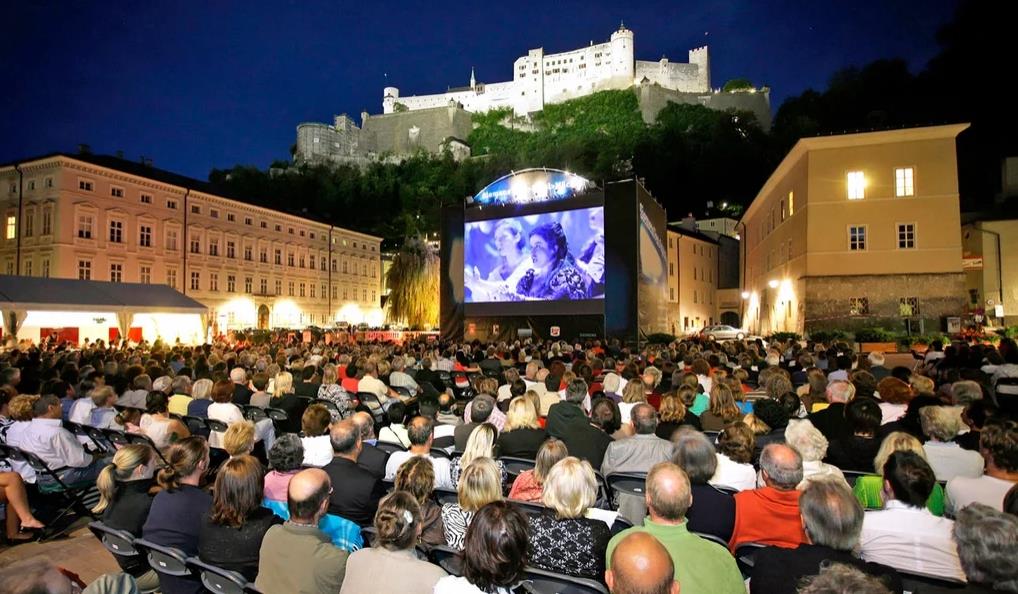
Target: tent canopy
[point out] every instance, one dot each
(24, 293)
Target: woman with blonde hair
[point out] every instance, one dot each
(869, 489)
(479, 485)
(723, 410)
(239, 438)
(563, 539)
(632, 395)
(331, 390)
(125, 487)
(480, 444)
(283, 384)
(529, 485)
(522, 435)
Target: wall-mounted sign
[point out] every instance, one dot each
(555, 331)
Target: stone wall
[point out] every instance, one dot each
(405, 132)
(827, 304)
(653, 98)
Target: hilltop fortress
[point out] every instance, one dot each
(443, 121)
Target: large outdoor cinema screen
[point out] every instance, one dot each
(552, 256)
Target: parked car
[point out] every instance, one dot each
(343, 326)
(723, 332)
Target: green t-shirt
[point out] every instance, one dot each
(868, 491)
(701, 566)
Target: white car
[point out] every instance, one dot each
(723, 332)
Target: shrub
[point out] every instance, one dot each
(874, 334)
(828, 336)
(660, 338)
(784, 336)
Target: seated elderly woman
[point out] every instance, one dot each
(479, 485)
(806, 439)
(417, 477)
(735, 458)
(201, 394)
(562, 539)
(894, 398)
(480, 444)
(869, 489)
(948, 459)
(224, 410)
(398, 529)
(529, 485)
(713, 511)
(285, 459)
(316, 441)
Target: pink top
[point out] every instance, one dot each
(276, 484)
(526, 488)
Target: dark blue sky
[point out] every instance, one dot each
(196, 85)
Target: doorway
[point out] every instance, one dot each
(263, 317)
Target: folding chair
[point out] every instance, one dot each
(373, 404)
(116, 437)
(368, 535)
(529, 507)
(197, 425)
(446, 495)
(389, 447)
(120, 543)
(745, 554)
(549, 582)
(164, 560)
(93, 434)
(515, 466)
(404, 392)
(216, 425)
(448, 558)
(330, 406)
(72, 496)
(138, 438)
(630, 483)
(253, 413)
(216, 579)
(712, 538)
(440, 453)
(278, 416)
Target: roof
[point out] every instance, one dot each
(167, 177)
(62, 294)
(834, 141)
(676, 227)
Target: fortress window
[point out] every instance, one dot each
(146, 199)
(213, 213)
(171, 204)
(195, 209)
(231, 217)
(248, 221)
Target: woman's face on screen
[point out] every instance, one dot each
(540, 251)
(505, 241)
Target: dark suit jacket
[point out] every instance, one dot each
(294, 407)
(853, 453)
(713, 512)
(568, 422)
(373, 460)
(241, 395)
(462, 434)
(306, 389)
(355, 491)
(430, 376)
(778, 570)
(831, 421)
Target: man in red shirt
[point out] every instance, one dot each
(770, 514)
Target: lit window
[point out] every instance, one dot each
(248, 284)
(213, 281)
(171, 242)
(264, 286)
(85, 226)
(857, 238)
(856, 185)
(171, 277)
(908, 306)
(906, 236)
(791, 203)
(145, 274)
(231, 283)
(12, 227)
(279, 287)
(904, 181)
(858, 306)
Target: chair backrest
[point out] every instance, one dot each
(328, 404)
(853, 475)
(165, 560)
(217, 425)
(745, 554)
(253, 413)
(216, 579)
(368, 535)
(712, 538)
(446, 495)
(725, 489)
(440, 453)
(118, 542)
(196, 425)
(514, 466)
(549, 582)
(448, 558)
(389, 447)
(531, 508)
(116, 437)
(634, 483)
(98, 438)
(405, 392)
(277, 415)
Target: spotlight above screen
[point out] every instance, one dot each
(532, 185)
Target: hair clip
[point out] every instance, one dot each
(409, 517)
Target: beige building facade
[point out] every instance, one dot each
(857, 230)
(103, 218)
(692, 280)
(991, 269)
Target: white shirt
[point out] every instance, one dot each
(538, 387)
(459, 585)
(890, 413)
(443, 477)
(733, 474)
(399, 379)
(373, 385)
(228, 413)
(504, 392)
(817, 470)
(57, 446)
(394, 433)
(15, 438)
(910, 539)
(948, 460)
(81, 411)
(963, 491)
(317, 450)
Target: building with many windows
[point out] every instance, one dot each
(857, 230)
(692, 278)
(98, 217)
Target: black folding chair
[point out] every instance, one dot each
(446, 495)
(93, 434)
(197, 425)
(166, 561)
(278, 416)
(404, 392)
(138, 438)
(373, 404)
(216, 425)
(253, 413)
(514, 466)
(745, 555)
(389, 447)
(216, 579)
(368, 535)
(448, 558)
(713, 538)
(118, 542)
(440, 453)
(634, 483)
(549, 582)
(529, 507)
(72, 497)
(116, 437)
(330, 406)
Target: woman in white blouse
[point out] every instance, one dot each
(224, 410)
(735, 454)
(811, 444)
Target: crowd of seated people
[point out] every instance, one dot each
(840, 468)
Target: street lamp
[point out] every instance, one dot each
(772, 283)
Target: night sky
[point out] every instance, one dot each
(197, 85)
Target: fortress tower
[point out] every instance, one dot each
(623, 64)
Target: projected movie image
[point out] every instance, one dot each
(557, 256)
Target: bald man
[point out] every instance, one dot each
(356, 490)
(701, 566)
(370, 458)
(770, 514)
(640, 565)
(297, 556)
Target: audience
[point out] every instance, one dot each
(567, 421)
(398, 528)
(316, 440)
(636, 454)
(395, 432)
(416, 476)
(998, 444)
(940, 425)
(734, 458)
(832, 520)
(723, 410)
(157, 424)
(869, 489)
(371, 457)
(562, 539)
(529, 485)
(57, 447)
(285, 459)
(641, 565)
(421, 435)
(233, 528)
(712, 511)
(522, 435)
(831, 420)
(494, 552)
(297, 556)
(806, 439)
(479, 485)
(905, 535)
(481, 409)
(481, 444)
(355, 491)
(701, 566)
(770, 514)
(856, 450)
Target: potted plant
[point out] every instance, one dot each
(876, 339)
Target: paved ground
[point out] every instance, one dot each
(78, 552)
